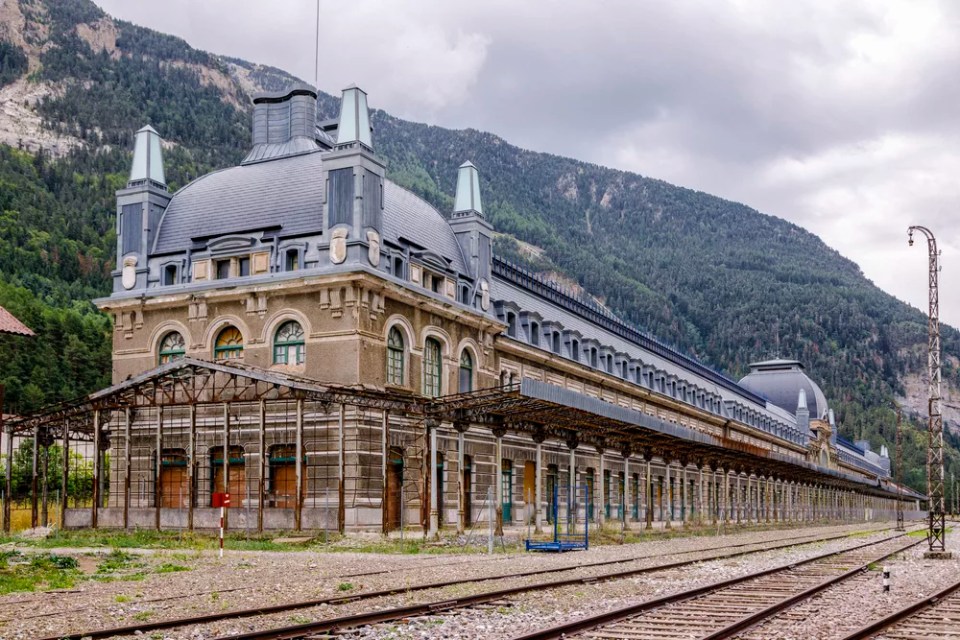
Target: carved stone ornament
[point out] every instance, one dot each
(373, 253)
(128, 275)
(485, 295)
(338, 245)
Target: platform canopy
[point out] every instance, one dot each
(191, 381)
(546, 410)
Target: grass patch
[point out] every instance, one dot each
(345, 586)
(143, 616)
(169, 567)
(120, 598)
(19, 572)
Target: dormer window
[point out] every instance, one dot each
(593, 357)
(222, 268)
(244, 266)
(511, 324)
(575, 349)
(291, 260)
(170, 275)
(556, 342)
(398, 267)
(535, 334)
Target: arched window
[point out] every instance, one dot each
(432, 368)
(395, 355)
(288, 344)
(172, 347)
(229, 344)
(466, 372)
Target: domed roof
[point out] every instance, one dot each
(780, 382)
(286, 195)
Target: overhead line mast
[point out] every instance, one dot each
(935, 481)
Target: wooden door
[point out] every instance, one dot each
(173, 487)
(236, 485)
(529, 481)
(283, 485)
(394, 489)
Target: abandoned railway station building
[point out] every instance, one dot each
(312, 346)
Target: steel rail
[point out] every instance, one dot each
(617, 615)
(96, 634)
(904, 614)
(335, 625)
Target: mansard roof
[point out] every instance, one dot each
(285, 196)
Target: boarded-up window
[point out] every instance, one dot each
(372, 211)
(131, 227)
(341, 197)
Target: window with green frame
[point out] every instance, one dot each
(395, 356)
(229, 344)
(288, 346)
(432, 368)
(466, 372)
(172, 347)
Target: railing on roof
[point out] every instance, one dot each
(593, 312)
(850, 445)
(851, 459)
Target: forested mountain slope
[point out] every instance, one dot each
(716, 278)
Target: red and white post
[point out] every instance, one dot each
(223, 512)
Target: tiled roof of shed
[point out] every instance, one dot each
(10, 324)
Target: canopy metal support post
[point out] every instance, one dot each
(264, 462)
(94, 508)
(498, 481)
(341, 472)
(158, 471)
(65, 477)
(538, 485)
(434, 526)
(126, 468)
(45, 479)
(35, 478)
(602, 485)
(669, 490)
(384, 464)
(648, 492)
(192, 467)
(627, 483)
(298, 472)
(225, 481)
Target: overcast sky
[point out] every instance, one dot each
(842, 117)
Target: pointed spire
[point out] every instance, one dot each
(468, 190)
(802, 400)
(147, 158)
(354, 121)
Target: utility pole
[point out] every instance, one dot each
(935, 481)
(898, 471)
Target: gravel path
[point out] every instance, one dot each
(140, 589)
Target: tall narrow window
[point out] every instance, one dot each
(394, 357)
(292, 260)
(535, 334)
(466, 372)
(229, 344)
(244, 266)
(170, 275)
(288, 347)
(172, 347)
(432, 368)
(223, 269)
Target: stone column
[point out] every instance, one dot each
(648, 491)
(627, 484)
(498, 433)
(601, 483)
(572, 443)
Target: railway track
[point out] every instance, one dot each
(727, 608)
(936, 617)
(364, 619)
